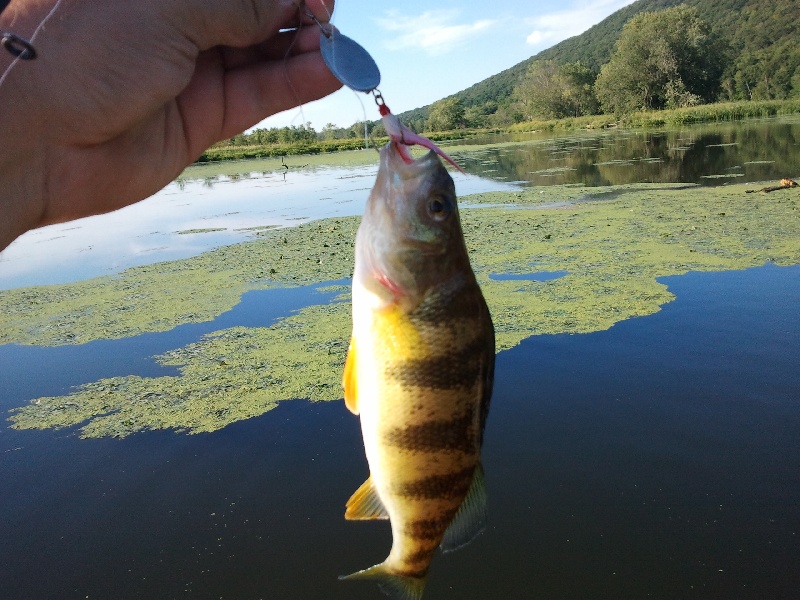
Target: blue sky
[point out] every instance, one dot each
(429, 50)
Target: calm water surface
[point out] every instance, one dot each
(657, 459)
(220, 209)
(708, 154)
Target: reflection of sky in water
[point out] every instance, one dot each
(147, 232)
(537, 276)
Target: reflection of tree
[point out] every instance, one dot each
(759, 150)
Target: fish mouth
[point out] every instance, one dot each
(397, 157)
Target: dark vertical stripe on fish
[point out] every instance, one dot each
(456, 370)
(458, 304)
(429, 529)
(434, 436)
(452, 485)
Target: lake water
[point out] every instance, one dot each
(708, 154)
(657, 459)
(227, 208)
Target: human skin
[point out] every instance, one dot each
(124, 95)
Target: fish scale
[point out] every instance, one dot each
(419, 371)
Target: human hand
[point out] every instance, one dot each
(124, 95)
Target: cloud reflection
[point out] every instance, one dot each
(149, 231)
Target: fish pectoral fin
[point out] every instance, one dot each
(365, 504)
(394, 585)
(470, 519)
(349, 379)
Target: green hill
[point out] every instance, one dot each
(763, 36)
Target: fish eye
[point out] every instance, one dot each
(439, 208)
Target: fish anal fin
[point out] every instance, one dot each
(365, 504)
(349, 379)
(470, 519)
(394, 585)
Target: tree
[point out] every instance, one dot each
(539, 95)
(767, 63)
(553, 91)
(579, 89)
(663, 59)
(446, 114)
(329, 132)
(478, 116)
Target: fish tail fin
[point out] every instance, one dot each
(394, 585)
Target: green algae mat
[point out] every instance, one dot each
(614, 243)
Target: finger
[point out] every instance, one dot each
(259, 91)
(242, 23)
(280, 47)
(321, 9)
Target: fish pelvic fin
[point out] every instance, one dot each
(349, 379)
(394, 585)
(365, 504)
(470, 519)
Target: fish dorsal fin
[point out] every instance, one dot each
(470, 519)
(365, 504)
(349, 379)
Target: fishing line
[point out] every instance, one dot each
(300, 10)
(286, 77)
(364, 113)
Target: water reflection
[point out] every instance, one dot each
(704, 154)
(227, 205)
(656, 459)
(538, 276)
(62, 368)
(191, 216)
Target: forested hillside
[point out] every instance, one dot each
(761, 41)
(649, 56)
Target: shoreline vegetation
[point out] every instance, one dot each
(613, 243)
(705, 113)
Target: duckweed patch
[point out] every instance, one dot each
(230, 375)
(161, 296)
(612, 250)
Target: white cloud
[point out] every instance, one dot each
(435, 31)
(554, 27)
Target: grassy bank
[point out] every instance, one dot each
(614, 244)
(313, 148)
(707, 113)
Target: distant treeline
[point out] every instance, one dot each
(291, 141)
(249, 146)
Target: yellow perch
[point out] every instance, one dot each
(419, 371)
